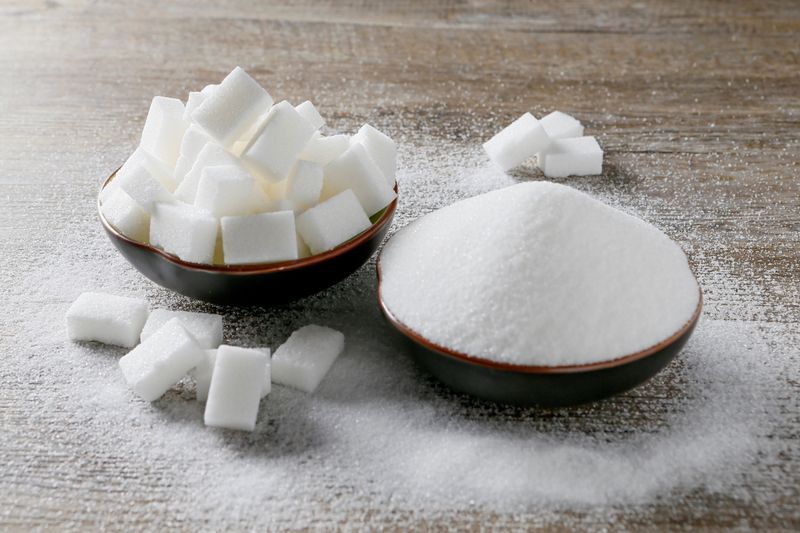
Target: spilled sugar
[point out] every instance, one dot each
(378, 440)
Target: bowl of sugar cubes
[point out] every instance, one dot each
(232, 198)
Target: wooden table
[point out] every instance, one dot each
(697, 105)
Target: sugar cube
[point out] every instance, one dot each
(106, 318)
(202, 375)
(232, 107)
(206, 328)
(108, 191)
(141, 178)
(304, 184)
(578, 156)
(304, 359)
(302, 248)
(125, 215)
(332, 222)
(274, 149)
(380, 148)
(322, 149)
(310, 113)
(194, 140)
(559, 125)
(226, 190)
(195, 99)
(161, 360)
(237, 383)
(356, 170)
(523, 138)
(185, 231)
(262, 238)
(163, 129)
(210, 155)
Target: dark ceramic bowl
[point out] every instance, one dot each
(264, 283)
(549, 386)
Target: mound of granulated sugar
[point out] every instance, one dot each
(537, 274)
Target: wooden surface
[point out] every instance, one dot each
(697, 105)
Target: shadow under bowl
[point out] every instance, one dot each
(546, 386)
(264, 284)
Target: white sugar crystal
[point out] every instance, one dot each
(145, 180)
(304, 185)
(126, 216)
(163, 129)
(106, 318)
(559, 125)
(332, 222)
(194, 140)
(160, 361)
(226, 190)
(322, 149)
(262, 238)
(310, 113)
(206, 328)
(237, 384)
(304, 359)
(381, 148)
(579, 156)
(274, 149)
(232, 108)
(521, 139)
(185, 231)
(356, 170)
(211, 155)
(202, 374)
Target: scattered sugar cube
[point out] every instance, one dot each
(125, 215)
(106, 318)
(304, 185)
(579, 156)
(310, 113)
(380, 148)
(237, 383)
(332, 222)
(202, 375)
(523, 138)
(226, 190)
(163, 129)
(322, 149)
(194, 140)
(141, 177)
(274, 149)
(211, 155)
(232, 108)
(161, 360)
(304, 359)
(262, 238)
(206, 328)
(559, 125)
(185, 231)
(356, 170)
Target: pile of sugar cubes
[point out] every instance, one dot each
(557, 142)
(169, 345)
(230, 178)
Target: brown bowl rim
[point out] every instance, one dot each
(256, 268)
(534, 369)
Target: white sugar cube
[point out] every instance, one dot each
(262, 238)
(281, 204)
(185, 231)
(202, 374)
(206, 328)
(381, 149)
(106, 318)
(559, 125)
(163, 129)
(195, 99)
(356, 170)
(194, 140)
(304, 359)
(332, 222)
(126, 216)
(232, 108)
(274, 149)
(161, 360)
(302, 248)
(523, 138)
(141, 177)
(236, 386)
(304, 185)
(310, 113)
(108, 191)
(211, 155)
(579, 156)
(226, 190)
(322, 149)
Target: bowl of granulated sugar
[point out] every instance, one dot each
(538, 294)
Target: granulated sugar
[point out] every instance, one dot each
(537, 274)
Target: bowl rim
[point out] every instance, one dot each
(255, 268)
(536, 369)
